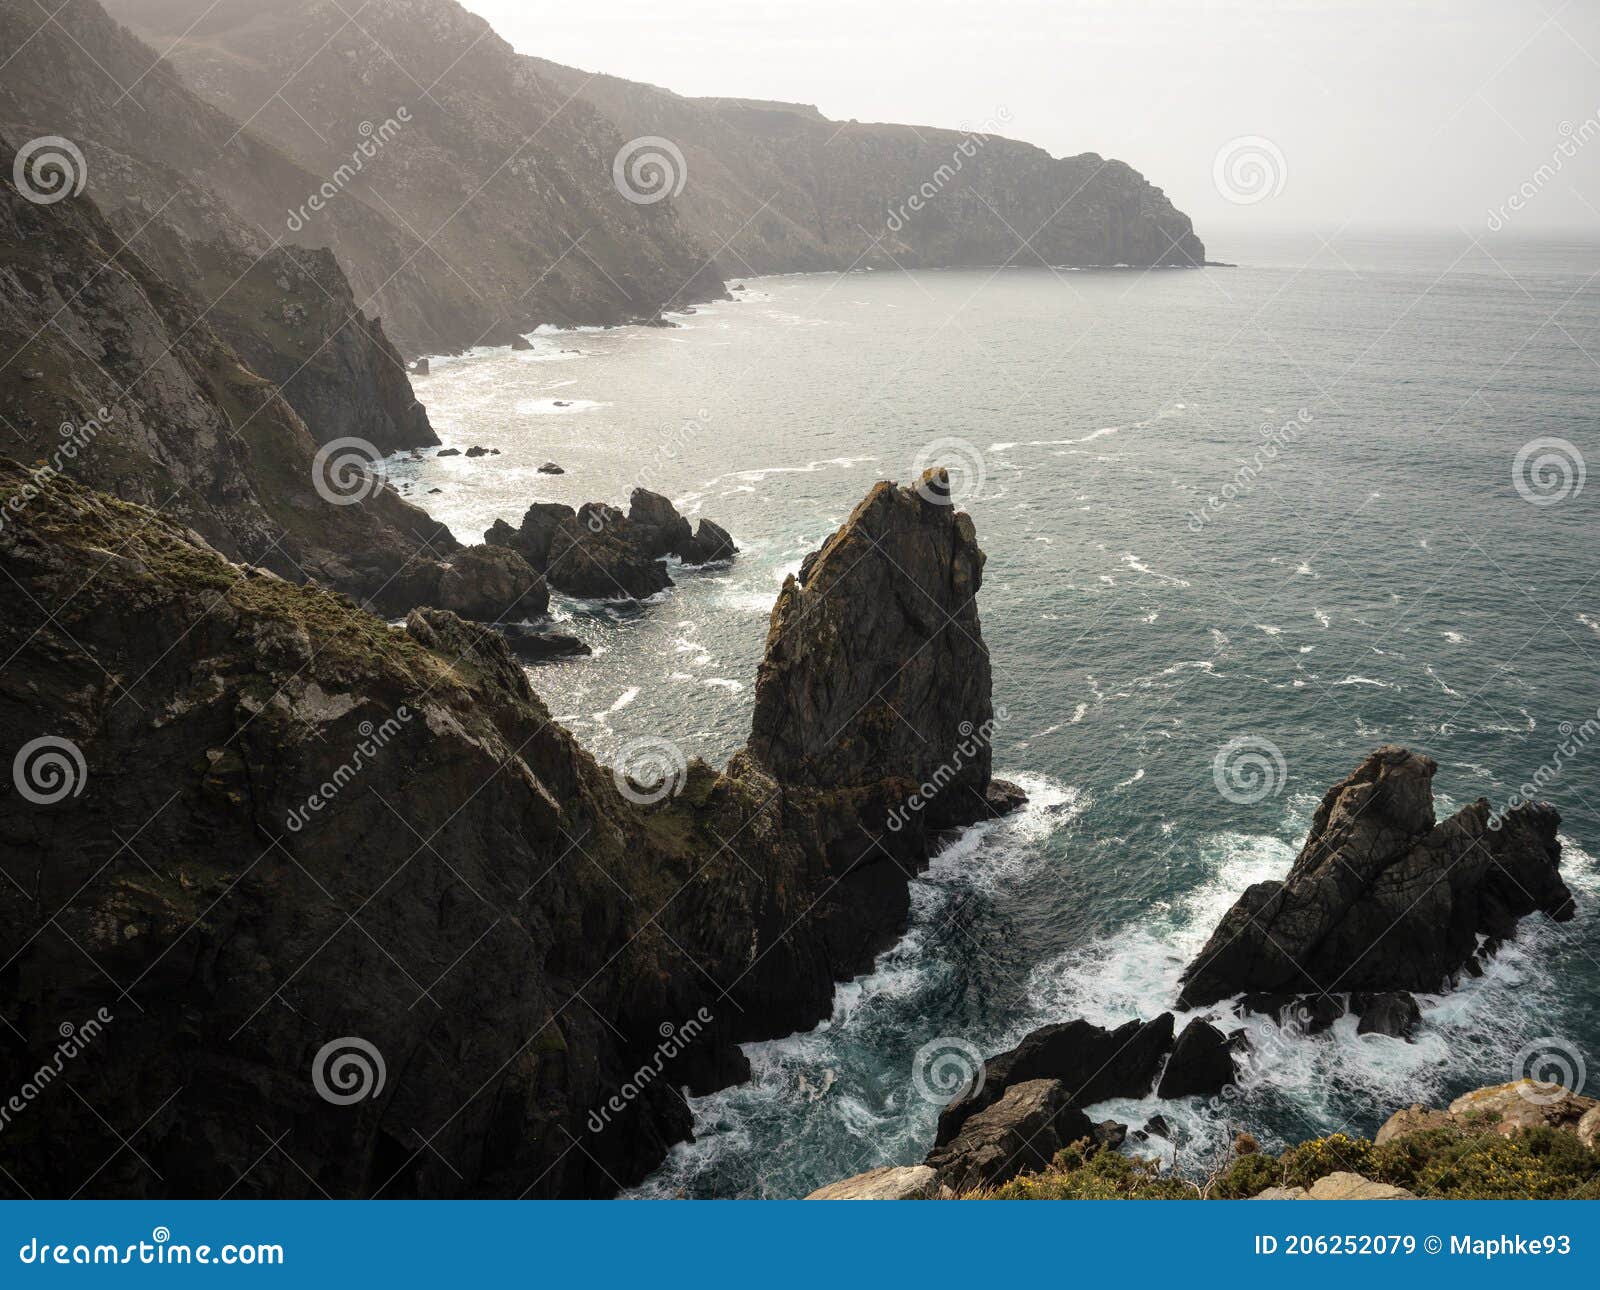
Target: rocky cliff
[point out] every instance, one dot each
(506, 167)
(472, 195)
(113, 375)
(192, 193)
(363, 918)
(778, 187)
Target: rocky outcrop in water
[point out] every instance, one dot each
(1382, 898)
(875, 663)
(291, 832)
(596, 552)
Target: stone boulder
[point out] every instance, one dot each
(1020, 1132)
(1090, 1063)
(1506, 1109)
(1415, 1118)
(893, 1182)
(1201, 1063)
(1393, 1013)
(1349, 1186)
(1383, 898)
(536, 645)
(492, 584)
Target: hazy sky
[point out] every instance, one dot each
(1386, 113)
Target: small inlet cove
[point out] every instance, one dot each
(1243, 528)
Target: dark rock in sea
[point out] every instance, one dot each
(1091, 1064)
(1393, 1013)
(1020, 1131)
(657, 320)
(550, 468)
(848, 683)
(490, 584)
(476, 451)
(520, 342)
(1381, 897)
(710, 544)
(1201, 1063)
(420, 367)
(1110, 1133)
(1003, 797)
(448, 452)
(1157, 1126)
(535, 645)
(561, 403)
(436, 490)
(600, 553)
(660, 529)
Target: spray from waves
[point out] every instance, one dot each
(1296, 1087)
(840, 1099)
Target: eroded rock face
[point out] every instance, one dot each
(283, 758)
(1382, 898)
(875, 663)
(1023, 1130)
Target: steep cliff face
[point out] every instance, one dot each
(490, 182)
(197, 196)
(113, 375)
(778, 187)
(505, 166)
(287, 831)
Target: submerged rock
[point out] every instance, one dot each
(535, 645)
(549, 468)
(1381, 898)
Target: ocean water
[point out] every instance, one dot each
(1377, 575)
